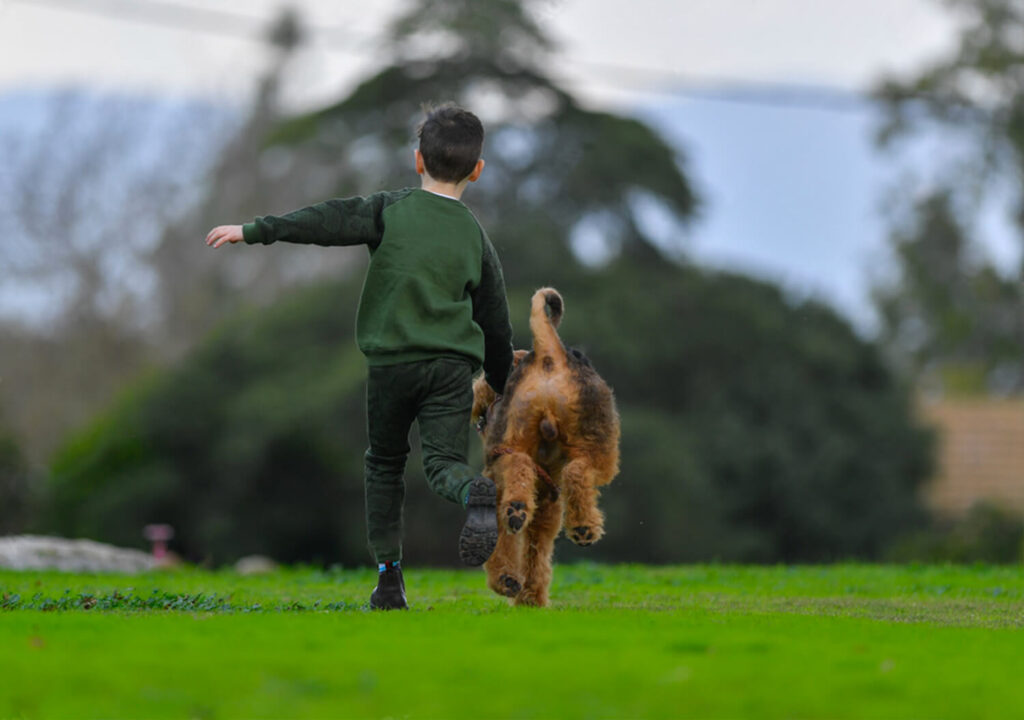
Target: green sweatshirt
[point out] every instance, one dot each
(434, 286)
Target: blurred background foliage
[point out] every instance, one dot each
(950, 317)
(757, 426)
(16, 486)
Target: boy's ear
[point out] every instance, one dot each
(476, 170)
(420, 167)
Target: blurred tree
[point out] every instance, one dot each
(195, 290)
(949, 319)
(103, 211)
(950, 315)
(88, 190)
(16, 491)
(239, 447)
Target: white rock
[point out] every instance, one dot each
(37, 552)
(255, 565)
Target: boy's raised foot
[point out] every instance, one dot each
(480, 533)
(390, 591)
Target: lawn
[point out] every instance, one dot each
(846, 641)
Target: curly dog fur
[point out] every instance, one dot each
(549, 443)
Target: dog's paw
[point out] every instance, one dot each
(510, 587)
(584, 535)
(515, 516)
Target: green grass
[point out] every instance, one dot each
(846, 641)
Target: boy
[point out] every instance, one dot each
(432, 310)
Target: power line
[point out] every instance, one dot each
(214, 22)
(668, 83)
(729, 89)
(185, 17)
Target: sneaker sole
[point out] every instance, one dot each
(377, 603)
(387, 606)
(480, 533)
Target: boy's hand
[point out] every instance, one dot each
(224, 234)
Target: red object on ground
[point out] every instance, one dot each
(159, 535)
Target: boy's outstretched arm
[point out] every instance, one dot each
(490, 312)
(344, 221)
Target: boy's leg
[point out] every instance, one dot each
(389, 415)
(444, 427)
(444, 431)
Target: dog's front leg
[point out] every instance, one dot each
(505, 574)
(584, 521)
(518, 499)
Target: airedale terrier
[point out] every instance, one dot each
(550, 442)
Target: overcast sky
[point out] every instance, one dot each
(843, 43)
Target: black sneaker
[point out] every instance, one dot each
(480, 533)
(390, 591)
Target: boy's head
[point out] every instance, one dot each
(451, 140)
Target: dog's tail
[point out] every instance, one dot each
(545, 313)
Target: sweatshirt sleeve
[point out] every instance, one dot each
(490, 312)
(345, 221)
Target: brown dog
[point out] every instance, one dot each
(549, 443)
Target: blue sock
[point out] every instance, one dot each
(381, 567)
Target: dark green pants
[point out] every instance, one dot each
(439, 395)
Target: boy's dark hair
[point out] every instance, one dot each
(451, 140)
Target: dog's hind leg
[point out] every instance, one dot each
(584, 521)
(518, 499)
(540, 546)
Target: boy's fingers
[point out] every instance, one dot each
(216, 237)
(222, 234)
